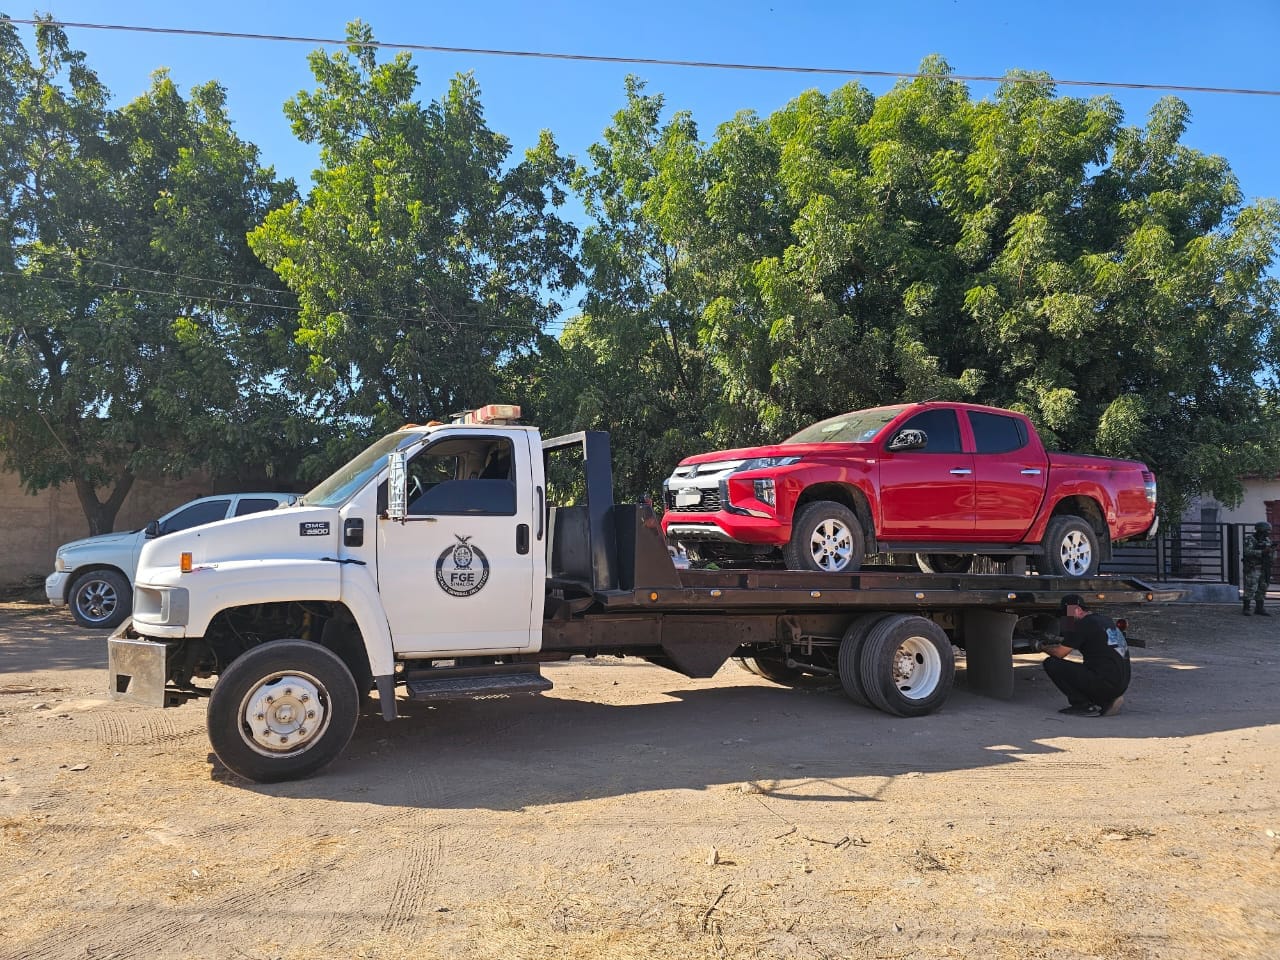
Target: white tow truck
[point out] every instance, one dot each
(434, 566)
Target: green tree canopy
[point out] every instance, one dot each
(1027, 250)
(422, 260)
(139, 332)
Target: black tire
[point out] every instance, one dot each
(908, 665)
(292, 672)
(100, 598)
(825, 537)
(1071, 548)
(776, 670)
(944, 562)
(850, 660)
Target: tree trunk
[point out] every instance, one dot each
(102, 515)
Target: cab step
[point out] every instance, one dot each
(465, 683)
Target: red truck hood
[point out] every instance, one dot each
(779, 450)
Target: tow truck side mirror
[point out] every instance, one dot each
(909, 440)
(396, 472)
(151, 530)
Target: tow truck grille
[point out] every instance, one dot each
(708, 502)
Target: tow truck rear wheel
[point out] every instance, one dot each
(825, 537)
(850, 659)
(908, 665)
(282, 711)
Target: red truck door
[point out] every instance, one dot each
(1010, 471)
(927, 494)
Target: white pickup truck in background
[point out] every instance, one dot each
(94, 576)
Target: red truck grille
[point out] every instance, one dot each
(709, 502)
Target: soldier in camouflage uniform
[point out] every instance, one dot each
(1257, 567)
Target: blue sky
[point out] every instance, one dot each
(1175, 41)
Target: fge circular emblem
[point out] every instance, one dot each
(462, 569)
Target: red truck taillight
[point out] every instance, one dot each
(1149, 485)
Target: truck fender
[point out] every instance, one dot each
(1087, 491)
(360, 594)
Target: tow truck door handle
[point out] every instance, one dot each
(522, 538)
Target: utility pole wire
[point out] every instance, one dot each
(639, 61)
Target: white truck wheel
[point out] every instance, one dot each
(100, 598)
(282, 711)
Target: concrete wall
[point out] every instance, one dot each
(33, 527)
(1257, 492)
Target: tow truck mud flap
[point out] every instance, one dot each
(988, 648)
(136, 669)
(699, 646)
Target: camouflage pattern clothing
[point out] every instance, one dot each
(1257, 567)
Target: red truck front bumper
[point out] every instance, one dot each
(725, 527)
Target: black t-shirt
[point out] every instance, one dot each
(1106, 653)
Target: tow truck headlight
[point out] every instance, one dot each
(764, 463)
(766, 493)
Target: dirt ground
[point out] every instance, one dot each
(631, 812)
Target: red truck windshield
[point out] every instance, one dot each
(860, 426)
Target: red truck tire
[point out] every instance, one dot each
(826, 537)
(944, 562)
(1071, 548)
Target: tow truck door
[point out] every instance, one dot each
(457, 572)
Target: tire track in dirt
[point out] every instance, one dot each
(405, 888)
(153, 933)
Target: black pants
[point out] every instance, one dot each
(1079, 683)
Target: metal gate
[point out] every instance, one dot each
(1190, 551)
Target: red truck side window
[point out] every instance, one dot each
(993, 433)
(940, 426)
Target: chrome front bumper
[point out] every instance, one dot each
(136, 669)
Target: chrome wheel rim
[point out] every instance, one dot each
(831, 546)
(284, 714)
(97, 600)
(1076, 553)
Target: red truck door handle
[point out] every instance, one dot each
(1031, 472)
(961, 471)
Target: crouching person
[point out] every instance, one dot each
(1094, 688)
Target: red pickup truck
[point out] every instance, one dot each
(945, 481)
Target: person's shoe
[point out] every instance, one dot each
(1246, 608)
(1078, 711)
(1112, 708)
(1261, 611)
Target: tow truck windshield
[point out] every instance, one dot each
(338, 487)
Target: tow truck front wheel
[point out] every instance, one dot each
(282, 711)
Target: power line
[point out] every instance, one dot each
(639, 61)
